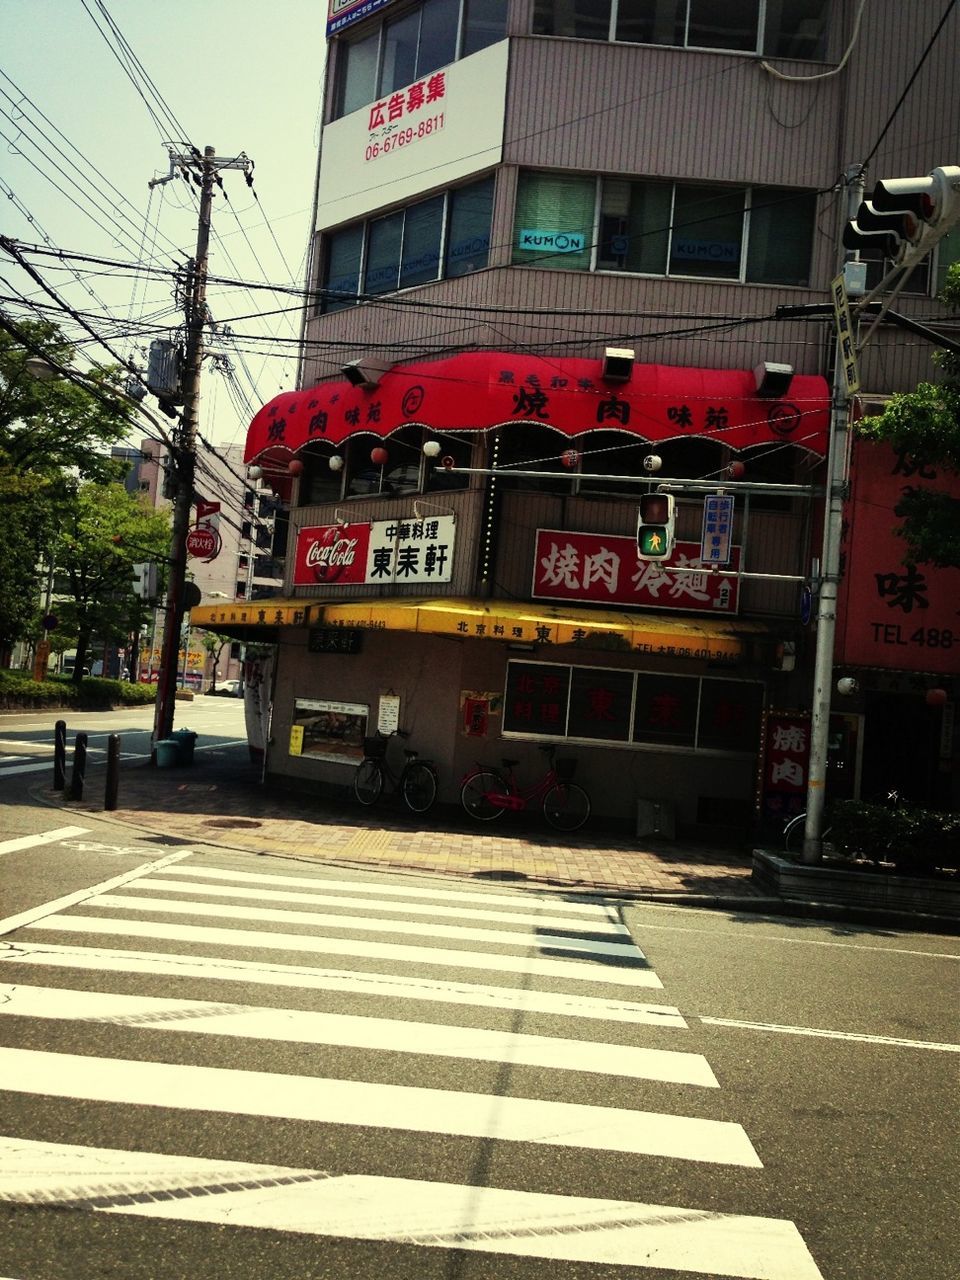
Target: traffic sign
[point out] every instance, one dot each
(203, 542)
(716, 537)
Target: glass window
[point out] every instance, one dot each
(468, 235)
(554, 222)
(707, 232)
(730, 712)
(796, 29)
(780, 238)
(723, 24)
(635, 226)
(484, 23)
(651, 21)
(400, 41)
(358, 73)
(438, 35)
(585, 19)
(422, 227)
(536, 699)
(665, 710)
(600, 704)
(342, 277)
(383, 253)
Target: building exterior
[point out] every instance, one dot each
(554, 240)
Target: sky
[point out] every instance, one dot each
(79, 143)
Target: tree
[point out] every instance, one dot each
(54, 434)
(925, 423)
(214, 644)
(106, 532)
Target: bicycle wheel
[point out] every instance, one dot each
(474, 795)
(368, 781)
(566, 806)
(794, 834)
(418, 786)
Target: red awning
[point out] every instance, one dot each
(482, 389)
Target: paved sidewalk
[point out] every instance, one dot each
(221, 801)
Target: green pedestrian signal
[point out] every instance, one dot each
(655, 526)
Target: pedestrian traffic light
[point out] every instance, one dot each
(655, 535)
(905, 217)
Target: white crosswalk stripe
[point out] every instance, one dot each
(523, 981)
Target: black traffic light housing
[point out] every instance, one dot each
(907, 213)
(655, 526)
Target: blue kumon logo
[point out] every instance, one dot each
(552, 241)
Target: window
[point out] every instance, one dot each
(763, 235)
(403, 49)
(777, 28)
(642, 708)
(447, 235)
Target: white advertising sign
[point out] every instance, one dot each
(423, 137)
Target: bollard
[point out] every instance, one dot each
(60, 755)
(79, 767)
(113, 771)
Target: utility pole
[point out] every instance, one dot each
(183, 455)
(838, 473)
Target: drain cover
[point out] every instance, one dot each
(232, 822)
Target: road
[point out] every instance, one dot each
(218, 1065)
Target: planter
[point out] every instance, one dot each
(849, 888)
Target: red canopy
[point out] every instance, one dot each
(482, 389)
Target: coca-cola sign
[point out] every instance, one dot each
(332, 553)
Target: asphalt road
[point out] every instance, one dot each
(218, 1065)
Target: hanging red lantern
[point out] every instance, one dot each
(295, 467)
(570, 458)
(736, 470)
(379, 457)
(936, 697)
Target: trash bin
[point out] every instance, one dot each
(186, 740)
(168, 752)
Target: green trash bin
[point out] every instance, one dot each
(168, 752)
(186, 740)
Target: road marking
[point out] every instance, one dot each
(380, 1106)
(404, 1211)
(33, 915)
(743, 936)
(46, 837)
(390, 1035)
(589, 906)
(626, 952)
(261, 894)
(380, 985)
(861, 1037)
(317, 944)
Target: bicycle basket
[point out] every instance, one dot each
(375, 748)
(565, 768)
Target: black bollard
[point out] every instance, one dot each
(113, 771)
(79, 767)
(60, 755)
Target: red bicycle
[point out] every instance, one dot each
(487, 793)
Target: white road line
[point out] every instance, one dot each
(35, 914)
(391, 1035)
(404, 1211)
(45, 837)
(380, 985)
(162, 884)
(316, 944)
(861, 1037)
(525, 899)
(380, 1106)
(363, 924)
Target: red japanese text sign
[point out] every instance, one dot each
(604, 569)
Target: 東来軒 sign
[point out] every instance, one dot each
(407, 550)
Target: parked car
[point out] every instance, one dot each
(229, 689)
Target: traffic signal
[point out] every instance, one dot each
(905, 217)
(655, 532)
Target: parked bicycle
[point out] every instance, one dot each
(488, 793)
(417, 781)
(795, 828)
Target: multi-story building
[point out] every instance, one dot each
(556, 239)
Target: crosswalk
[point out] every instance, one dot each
(354, 1017)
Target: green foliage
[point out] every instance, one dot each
(925, 424)
(17, 689)
(914, 839)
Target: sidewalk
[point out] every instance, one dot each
(220, 801)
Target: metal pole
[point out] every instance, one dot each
(113, 771)
(79, 767)
(838, 459)
(60, 755)
(184, 461)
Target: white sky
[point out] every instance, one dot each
(238, 75)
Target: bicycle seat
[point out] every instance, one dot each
(411, 755)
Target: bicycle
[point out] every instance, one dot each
(795, 828)
(417, 781)
(488, 793)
